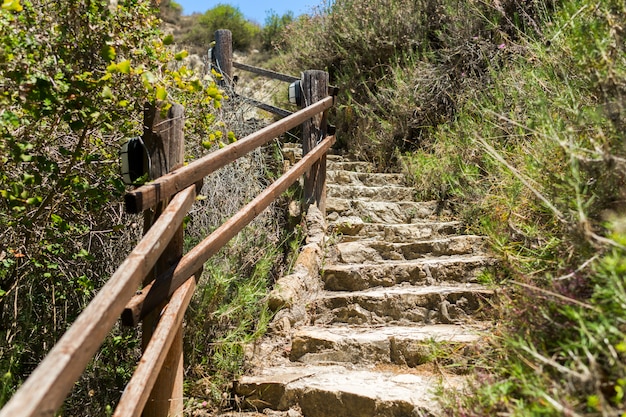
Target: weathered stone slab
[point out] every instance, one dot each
(402, 304)
(341, 392)
(401, 345)
(356, 277)
(337, 164)
(396, 233)
(271, 390)
(365, 178)
(382, 193)
(380, 251)
(382, 211)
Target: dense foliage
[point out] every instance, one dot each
(512, 114)
(272, 31)
(74, 77)
(224, 16)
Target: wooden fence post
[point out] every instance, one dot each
(314, 86)
(224, 55)
(164, 139)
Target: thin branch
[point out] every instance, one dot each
(557, 295)
(524, 181)
(580, 268)
(560, 407)
(554, 364)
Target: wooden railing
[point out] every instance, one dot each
(157, 265)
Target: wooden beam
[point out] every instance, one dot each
(165, 140)
(267, 73)
(149, 195)
(46, 388)
(263, 106)
(164, 286)
(314, 88)
(224, 55)
(143, 380)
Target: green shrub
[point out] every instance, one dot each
(224, 16)
(170, 11)
(74, 77)
(272, 31)
(405, 66)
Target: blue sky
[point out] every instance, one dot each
(255, 10)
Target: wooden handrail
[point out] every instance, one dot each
(46, 388)
(267, 73)
(138, 389)
(156, 386)
(160, 289)
(149, 195)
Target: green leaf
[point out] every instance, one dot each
(28, 178)
(168, 40)
(161, 93)
(106, 92)
(148, 77)
(108, 53)
(181, 55)
(2, 292)
(12, 5)
(124, 67)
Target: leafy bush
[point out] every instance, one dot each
(224, 16)
(448, 46)
(272, 32)
(74, 77)
(170, 11)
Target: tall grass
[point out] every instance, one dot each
(538, 153)
(405, 66)
(513, 114)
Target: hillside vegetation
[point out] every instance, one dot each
(74, 77)
(513, 114)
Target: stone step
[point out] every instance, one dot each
(353, 228)
(339, 391)
(383, 193)
(429, 271)
(403, 304)
(292, 152)
(400, 345)
(381, 211)
(364, 178)
(365, 251)
(343, 165)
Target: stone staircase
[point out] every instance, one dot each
(397, 315)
